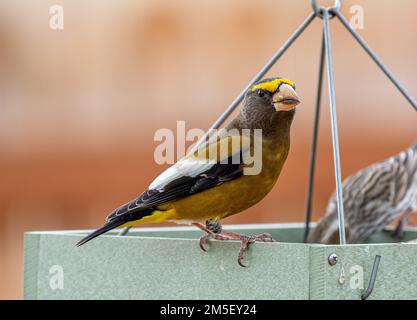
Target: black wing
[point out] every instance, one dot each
(181, 187)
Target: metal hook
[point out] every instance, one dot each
(371, 283)
(318, 10)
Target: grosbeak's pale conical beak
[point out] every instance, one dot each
(285, 98)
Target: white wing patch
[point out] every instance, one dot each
(195, 165)
(183, 168)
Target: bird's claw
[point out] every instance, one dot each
(246, 241)
(209, 236)
(203, 241)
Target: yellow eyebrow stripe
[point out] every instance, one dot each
(272, 85)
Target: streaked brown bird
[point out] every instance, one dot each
(214, 182)
(373, 198)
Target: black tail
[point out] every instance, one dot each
(107, 227)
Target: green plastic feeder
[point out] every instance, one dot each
(167, 263)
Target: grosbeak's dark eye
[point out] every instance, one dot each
(261, 93)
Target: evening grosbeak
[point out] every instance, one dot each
(372, 198)
(216, 181)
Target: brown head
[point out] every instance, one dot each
(269, 105)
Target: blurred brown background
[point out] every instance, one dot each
(79, 106)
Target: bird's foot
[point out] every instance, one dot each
(209, 236)
(222, 235)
